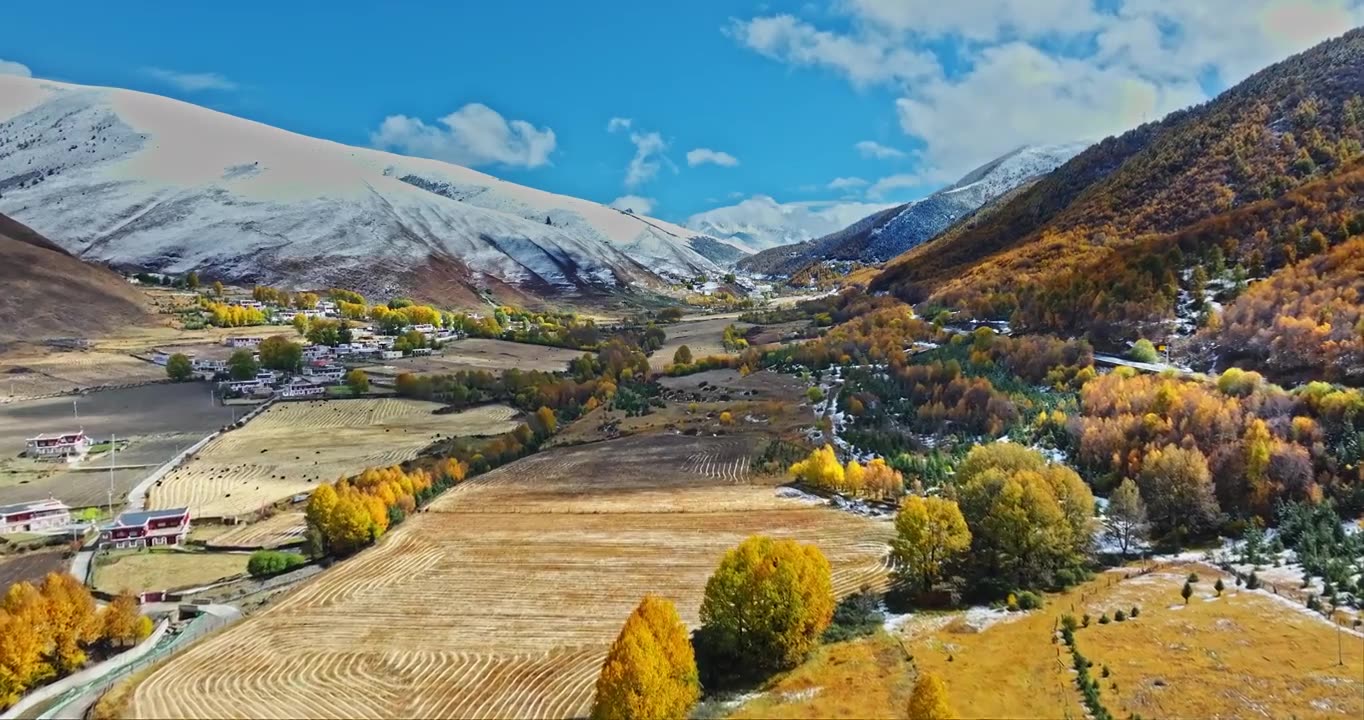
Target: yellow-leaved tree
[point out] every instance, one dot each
(928, 532)
(821, 469)
(765, 607)
(122, 621)
(929, 701)
(650, 671)
(72, 617)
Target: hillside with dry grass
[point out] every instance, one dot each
(50, 293)
(1264, 176)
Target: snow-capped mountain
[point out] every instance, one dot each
(760, 222)
(134, 179)
(883, 234)
(922, 220)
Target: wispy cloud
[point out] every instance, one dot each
(703, 156)
(873, 149)
(846, 183)
(9, 67)
(618, 123)
(472, 135)
(191, 82)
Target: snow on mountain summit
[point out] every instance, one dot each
(141, 180)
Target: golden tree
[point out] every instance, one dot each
(929, 701)
(767, 604)
(928, 533)
(120, 620)
(821, 469)
(650, 671)
(72, 619)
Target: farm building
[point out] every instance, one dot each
(50, 514)
(67, 446)
(146, 529)
(300, 388)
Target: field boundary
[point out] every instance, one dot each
(137, 496)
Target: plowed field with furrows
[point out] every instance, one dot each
(500, 601)
(292, 446)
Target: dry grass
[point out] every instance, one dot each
(1242, 655)
(866, 678)
(703, 335)
(1246, 654)
(292, 446)
(140, 571)
(501, 598)
(34, 372)
(480, 354)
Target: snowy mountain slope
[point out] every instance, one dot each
(135, 179)
(883, 235)
(759, 223)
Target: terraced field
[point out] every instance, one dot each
(278, 529)
(292, 446)
(499, 601)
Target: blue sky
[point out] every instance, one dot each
(790, 91)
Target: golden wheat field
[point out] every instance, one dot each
(292, 446)
(500, 600)
(279, 529)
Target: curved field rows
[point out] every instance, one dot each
(501, 600)
(272, 532)
(293, 446)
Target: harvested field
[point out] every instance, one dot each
(28, 567)
(864, 678)
(702, 335)
(292, 446)
(500, 600)
(42, 373)
(158, 421)
(279, 529)
(480, 354)
(141, 571)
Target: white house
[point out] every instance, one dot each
(390, 354)
(324, 373)
(425, 328)
(242, 341)
(300, 388)
(36, 516)
(67, 446)
(209, 367)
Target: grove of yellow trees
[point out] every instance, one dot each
(347, 515)
(224, 315)
(822, 470)
(46, 631)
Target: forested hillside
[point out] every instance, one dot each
(1173, 217)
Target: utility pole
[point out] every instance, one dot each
(76, 410)
(113, 450)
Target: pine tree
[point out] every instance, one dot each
(650, 670)
(1187, 591)
(929, 701)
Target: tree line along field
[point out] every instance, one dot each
(293, 446)
(704, 336)
(156, 421)
(500, 599)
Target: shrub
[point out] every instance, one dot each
(264, 563)
(1011, 603)
(1219, 586)
(855, 616)
(1029, 600)
(1135, 611)
(1105, 672)
(1084, 622)
(1143, 351)
(1118, 616)
(1104, 620)
(1193, 577)
(1253, 582)
(1068, 622)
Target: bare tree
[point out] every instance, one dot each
(1125, 522)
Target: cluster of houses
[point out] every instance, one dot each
(136, 529)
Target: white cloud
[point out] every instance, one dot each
(191, 82)
(634, 203)
(846, 183)
(618, 123)
(760, 222)
(472, 135)
(1045, 99)
(891, 183)
(866, 59)
(643, 167)
(701, 156)
(1041, 71)
(9, 67)
(873, 149)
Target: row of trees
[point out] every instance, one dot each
(48, 631)
(223, 315)
(351, 513)
(875, 479)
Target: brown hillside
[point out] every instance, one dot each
(45, 292)
(1262, 177)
